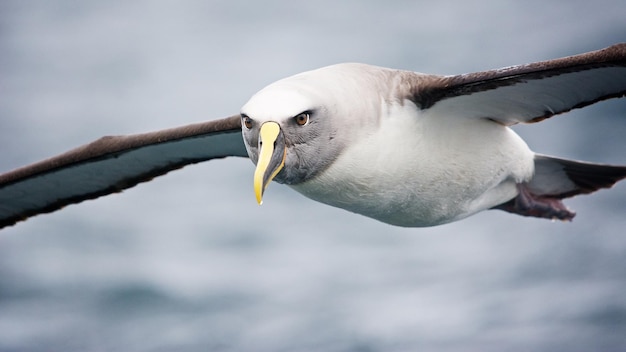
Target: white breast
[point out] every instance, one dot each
(416, 169)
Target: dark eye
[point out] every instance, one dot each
(246, 121)
(302, 118)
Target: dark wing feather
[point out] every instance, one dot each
(526, 93)
(112, 164)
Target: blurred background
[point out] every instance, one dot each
(190, 262)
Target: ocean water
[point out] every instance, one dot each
(189, 262)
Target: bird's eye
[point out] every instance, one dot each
(302, 118)
(247, 121)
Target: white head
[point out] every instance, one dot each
(295, 128)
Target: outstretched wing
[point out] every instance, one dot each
(112, 164)
(527, 93)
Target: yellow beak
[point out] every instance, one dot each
(271, 157)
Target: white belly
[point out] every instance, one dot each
(435, 171)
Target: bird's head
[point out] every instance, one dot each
(289, 131)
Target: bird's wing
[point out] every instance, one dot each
(526, 93)
(112, 164)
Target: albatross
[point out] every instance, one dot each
(406, 148)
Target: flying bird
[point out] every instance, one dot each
(405, 148)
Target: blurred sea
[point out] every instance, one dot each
(189, 262)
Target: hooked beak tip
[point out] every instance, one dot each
(259, 194)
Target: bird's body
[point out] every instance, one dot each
(405, 148)
(424, 173)
(395, 162)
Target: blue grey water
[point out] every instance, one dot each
(189, 262)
